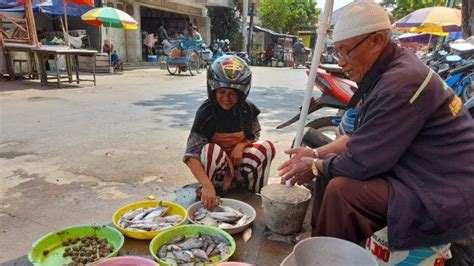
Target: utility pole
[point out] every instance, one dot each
(249, 45)
(245, 11)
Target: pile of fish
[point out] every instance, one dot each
(223, 217)
(149, 219)
(196, 250)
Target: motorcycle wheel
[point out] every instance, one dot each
(467, 91)
(325, 125)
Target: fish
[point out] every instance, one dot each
(242, 221)
(247, 234)
(220, 239)
(173, 247)
(162, 251)
(149, 219)
(174, 218)
(157, 212)
(131, 214)
(197, 249)
(191, 244)
(209, 221)
(177, 239)
(224, 216)
(210, 249)
(200, 254)
(225, 226)
(223, 250)
(170, 261)
(183, 256)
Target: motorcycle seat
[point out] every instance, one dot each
(331, 68)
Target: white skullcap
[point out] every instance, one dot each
(359, 18)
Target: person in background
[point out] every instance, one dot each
(192, 34)
(269, 53)
(117, 63)
(223, 148)
(108, 47)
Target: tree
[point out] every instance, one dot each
(225, 23)
(288, 15)
(402, 8)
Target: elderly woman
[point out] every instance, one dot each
(222, 146)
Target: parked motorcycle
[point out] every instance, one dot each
(336, 93)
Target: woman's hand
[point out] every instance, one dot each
(236, 154)
(208, 197)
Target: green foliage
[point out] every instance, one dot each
(288, 16)
(405, 7)
(225, 23)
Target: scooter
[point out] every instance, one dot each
(336, 93)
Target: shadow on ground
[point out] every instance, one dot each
(276, 103)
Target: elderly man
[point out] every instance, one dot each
(409, 164)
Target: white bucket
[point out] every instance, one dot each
(328, 251)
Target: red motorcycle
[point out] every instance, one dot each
(337, 92)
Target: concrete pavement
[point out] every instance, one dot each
(74, 155)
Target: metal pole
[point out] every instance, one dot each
(66, 27)
(249, 39)
(245, 10)
(322, 34)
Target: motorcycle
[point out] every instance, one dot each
(337, 92)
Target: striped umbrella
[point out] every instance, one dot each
(110, 17)
(432, 19)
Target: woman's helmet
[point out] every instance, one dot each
(231, 72)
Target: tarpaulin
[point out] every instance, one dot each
(56, 7)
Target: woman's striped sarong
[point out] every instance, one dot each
(253, 170)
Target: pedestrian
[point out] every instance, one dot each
(409, 164)
(223, 149)
(299, 52)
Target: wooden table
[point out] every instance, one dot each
(71, 55)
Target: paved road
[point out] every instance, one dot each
(74, 155)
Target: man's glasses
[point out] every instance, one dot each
(345, 55)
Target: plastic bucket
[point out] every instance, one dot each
(284, 208)
(152, 58)
(328, 251)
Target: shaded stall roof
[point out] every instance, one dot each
(54, 7)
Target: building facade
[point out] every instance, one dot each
(174, 15)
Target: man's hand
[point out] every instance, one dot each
(298, 169)
(300, 152)
(236, 155)
(208, 197)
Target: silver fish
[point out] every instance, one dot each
(242, 220)
(141, 226)
(224, 216)
(191, 244)
(200, 254)
(223, 249)
(200, 214)
(230, 209)
(220, 239)
(173, 247)
(225, 226)
(177, 239)
(140, 215)
(162, 251)
(129, 215)
(174, 218)
(183, 256)
(157, 212)
(210, 249)
(208, 221)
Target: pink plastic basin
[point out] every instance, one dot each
(126, 261)
(233, 263)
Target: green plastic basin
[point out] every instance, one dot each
(188, 231)
(53, 243)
